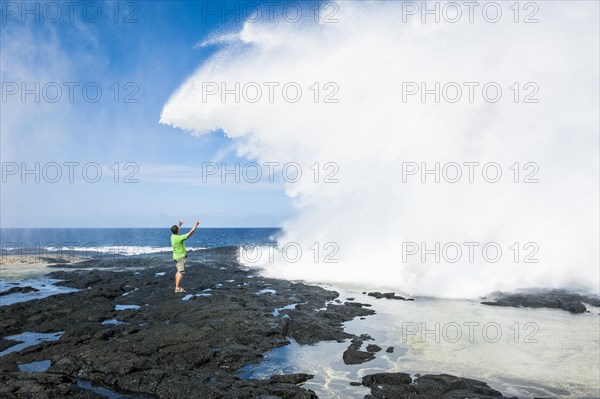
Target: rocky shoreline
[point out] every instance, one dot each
(549, 298)
(162, 344)
(127, 331)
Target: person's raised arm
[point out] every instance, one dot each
(189, 234)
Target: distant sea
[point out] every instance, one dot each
(124, 241)
(508, 348)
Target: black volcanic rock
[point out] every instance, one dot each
(42, 386)
(553, 299)
(353, 355)
(171, 348)
(401, 385)
(373, 348)
(387, 295)
(18, 290)
(292, 378)
(357, 304)
(168, 347)
(386, 379)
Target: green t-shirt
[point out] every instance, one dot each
(178, 245)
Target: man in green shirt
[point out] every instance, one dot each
(179, 252)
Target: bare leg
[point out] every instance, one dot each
(178, 278)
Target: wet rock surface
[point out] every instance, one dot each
(18, 290)
(187, 345)
(292, 378)
(388, 295)
(5, 344)
(169, 347)
(353, 355)
(553, 299)
(401, 385)
(43, 385)
(373, 348)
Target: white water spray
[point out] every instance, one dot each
(380, 130)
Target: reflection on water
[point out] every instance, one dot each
(44, 287)
(35, 367)
(323, 360)
(509, 348)
(126, 307)
(105, 392)
(28, 339)
(113, 322)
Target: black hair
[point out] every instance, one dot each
(174, 229)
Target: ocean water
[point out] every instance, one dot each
(523, 352)
(123, 241)
(517, 351)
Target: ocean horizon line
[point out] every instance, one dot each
(159, 227)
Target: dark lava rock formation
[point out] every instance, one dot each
(402, 386)
(18, 290)
(388, 295)
(554, 299)
(161, 344)
(353, 355)
(168, 347)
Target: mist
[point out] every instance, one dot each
(519, 165)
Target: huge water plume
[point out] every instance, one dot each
(384, 130)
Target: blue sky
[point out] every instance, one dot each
(146, 58)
